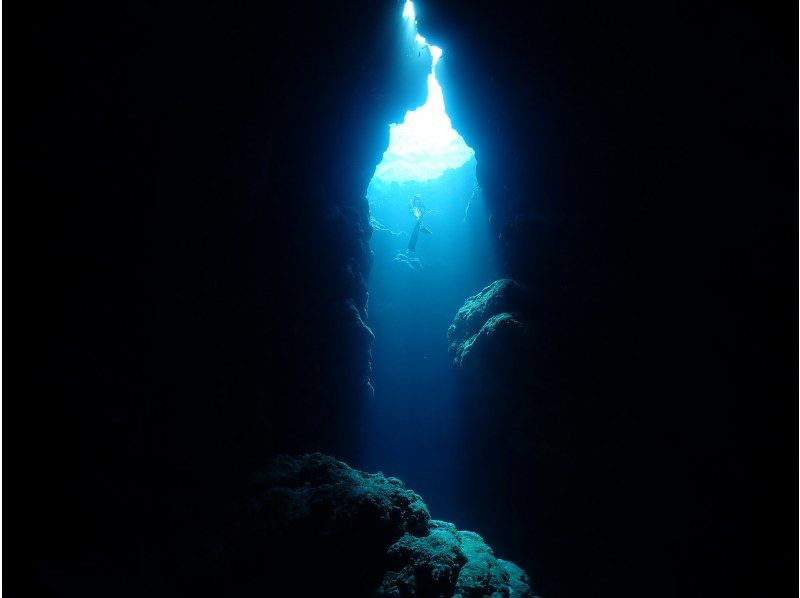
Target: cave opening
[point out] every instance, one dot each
(432, 249)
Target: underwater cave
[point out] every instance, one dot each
(413, 299)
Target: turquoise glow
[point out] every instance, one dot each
(424, 145)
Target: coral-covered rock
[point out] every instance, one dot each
(296, 490)
(429, 564)
(327, 529)
(490, 323)
(448, 562)
(518, 582)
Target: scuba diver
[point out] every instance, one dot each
(418, 209)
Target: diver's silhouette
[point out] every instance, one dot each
(418, 209)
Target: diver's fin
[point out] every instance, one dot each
(412, 242)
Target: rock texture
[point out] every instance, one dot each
(490, 323)
(333, 530)
(449, 562)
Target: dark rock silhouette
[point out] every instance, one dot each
(315, 521)
(490, 324)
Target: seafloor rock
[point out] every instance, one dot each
(326, 529)
(448, 562)
(490, 322)
(408, 261)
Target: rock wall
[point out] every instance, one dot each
(196, 249)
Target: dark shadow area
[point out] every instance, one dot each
(640, 165)
(195, 257)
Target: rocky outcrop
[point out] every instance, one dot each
(490, 323)
(332, 530)
(449, 562)
(406, 261)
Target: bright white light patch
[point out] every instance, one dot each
(425, 144)
(408, 11)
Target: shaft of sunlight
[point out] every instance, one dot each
(424, 145)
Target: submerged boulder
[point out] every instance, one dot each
(449, 562)
(313, 526)
(490, 323)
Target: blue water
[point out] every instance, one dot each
(411, 428)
